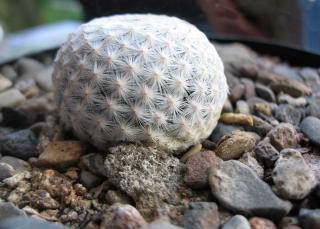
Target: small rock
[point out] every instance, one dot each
(9, 72)
(17, 164)
(40, 106)
(313, 108)
(192, 151)
(283, 136)
(122, 216)
(161, 224)
(286, 71)
(242, 107)
(249, 88)
(24, 84)
(309, 218)
(11, 97)
(260, 126)
(237, 92)
(28, 65)
(289, 114)
(14, 180)
(239, 189)
(265, 93)
(201, 215)
(292, 177)
(296, 102)
(236, 118)
(44, 80)
(4, 83)
(237, 222)
(261, 223)
(228, 147)
(312, 160)
(222, 130)
(266, 153)
(310, 126)
(94, 163)
(291, 87)
(114, 197)
(6, 171)
(53, 182)
(61, 154)
(252, 163)
(197, 166)
(89, 180)
(262, 108)
(28, 222)
(8, 210)
(41, 200)
(21, 144)
(249, 70)
(16, 118)
(289, 222)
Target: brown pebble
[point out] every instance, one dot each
(234, 118)
(261, 223)
(192, 151)
(234, 145)
(263, 108)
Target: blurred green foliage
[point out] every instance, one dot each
(20, 14)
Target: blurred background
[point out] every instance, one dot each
(34, 25)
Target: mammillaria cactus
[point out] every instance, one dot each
(139, 78)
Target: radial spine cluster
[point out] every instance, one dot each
(139, 78)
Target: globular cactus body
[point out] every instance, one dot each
(139, 78)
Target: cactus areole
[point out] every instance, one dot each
(139, 78)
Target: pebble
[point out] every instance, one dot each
(237, 92)
(201, 215)
(28, 222)
(41, 106)
(309, 218)
(265, 93)
(161, 224)
(292, 177)
(17, 164)
(296, 102)
(312, 160)
(237, 222)
(260, 126)
(8, 210)
(242, 107)
(94, 163)
(28, 65)
(291, 87)
(283, 136)
(222, 130)
(313, 108)
(16, 118)
(44, 80)
(266, 153)
(310, 126)
(11, 97)
(89, 180)
(227, 106)
(4, 83)
(228, 147)
(262, 108)
(261, 223)
(21, 144)
(41, 200)
(287, 113)
(197, 166)
(236, 118)
(286, 71)
(249, 88)
(252, 163)
(6, 171)
(192, 151)
(249, 70)
(14, 180)
(61, 154)
(122, 216)
(240, 190)
(9, 72)
(53, 182)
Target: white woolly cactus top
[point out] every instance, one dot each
(139, 78)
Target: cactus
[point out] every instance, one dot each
(139, 78)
